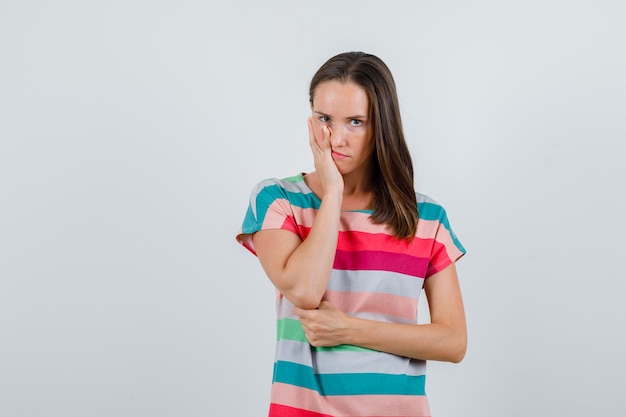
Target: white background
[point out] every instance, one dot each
(131, 133)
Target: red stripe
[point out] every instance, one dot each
(439, 259)
(350, 405)
(381, 261)
(277, 410)
(290, 224)
(383, 242)
(355, 240)
(381, 252)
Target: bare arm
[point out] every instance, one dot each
(444, 339)
(300, 270)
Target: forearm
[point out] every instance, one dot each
(300, 270)
(436, 341)
(444, 339)
(311, 263)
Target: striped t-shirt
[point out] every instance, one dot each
(375, 276)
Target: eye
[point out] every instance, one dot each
(324, 119)
(355, 122)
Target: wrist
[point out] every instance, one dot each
(333, 194)
(336, 188)
(353, 331)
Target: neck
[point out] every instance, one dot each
(357, 191)
(356, 184)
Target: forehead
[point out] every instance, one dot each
(340, 97)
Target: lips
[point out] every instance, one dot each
(338, 155)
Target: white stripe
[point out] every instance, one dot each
(338, 362)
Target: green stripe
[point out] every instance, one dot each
(348, 384)
(295, 179)
(290, 329)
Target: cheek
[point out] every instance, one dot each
(362, 136)
(370, 145)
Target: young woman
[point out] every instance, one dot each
(349, 248)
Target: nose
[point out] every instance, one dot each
(337, 136)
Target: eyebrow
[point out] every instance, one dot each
(357, 117)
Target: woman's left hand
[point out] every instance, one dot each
(325, 326)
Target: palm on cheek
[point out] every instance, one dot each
(320, 147)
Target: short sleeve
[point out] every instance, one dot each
(268, 208)
(446, 247)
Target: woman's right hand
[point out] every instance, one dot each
(301, 269)
(325, 166)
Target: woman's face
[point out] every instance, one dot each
(344, 108)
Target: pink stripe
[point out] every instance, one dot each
(356, 220)
(443, 255)
(373, 239)
(426, 229)
(350, 405)
(276, 213)
(305, 216)
(445, 239)
(388, 304)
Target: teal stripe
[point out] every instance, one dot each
(297, 199)
(266, 196)
(348, 384)
(250, 224)
(432, 211)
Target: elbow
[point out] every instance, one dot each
(306, 304)
(457, 353)
(300, 295)
(452, 348)
(457, 357)
(304, 300)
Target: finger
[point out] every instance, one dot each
(309, 123)
(326, 131)
(305, 328)
(322, 141)
(312, 139)
(298, 311)
(302, 313)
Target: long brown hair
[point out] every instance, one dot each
(394, 193)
